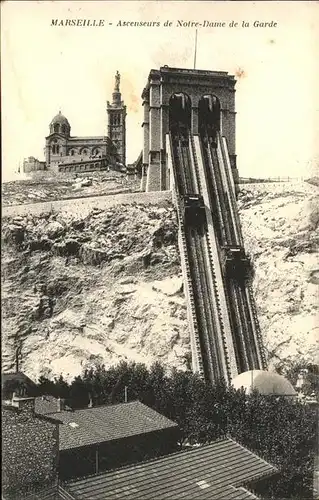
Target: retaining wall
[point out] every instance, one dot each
(82, 206)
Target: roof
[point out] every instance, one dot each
(107, 423)
(89, 137)
(216, 471)
(266, 383)
(59, 118)
(17, 377)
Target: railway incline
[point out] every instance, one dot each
(225, 334)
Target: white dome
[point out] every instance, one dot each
(264, 382)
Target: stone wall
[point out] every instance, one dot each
(30, 452)
(88, 165)
(82, 206)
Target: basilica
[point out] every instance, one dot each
(67, 153)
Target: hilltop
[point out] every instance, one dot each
(43, 186)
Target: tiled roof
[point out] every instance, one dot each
(107, 423)
(216, 471)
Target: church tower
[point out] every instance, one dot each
(116, 113)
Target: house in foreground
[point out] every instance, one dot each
(223, 470)
(105, 437)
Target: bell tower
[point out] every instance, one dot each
(116, 114)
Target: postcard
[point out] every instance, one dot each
(159, 250)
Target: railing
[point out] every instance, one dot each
(252, 180)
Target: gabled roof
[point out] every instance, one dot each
(217, 471)
(17, 377)
(58, 135)
(107, 423)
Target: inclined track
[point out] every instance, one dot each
(200, 269)
(210, 343)
(241, 306)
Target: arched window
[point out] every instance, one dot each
(54, 147)
(56, 128)
(209, 115)
(180, 112)
(63, 128)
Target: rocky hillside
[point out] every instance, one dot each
(102, 288)
(107, 286)
(280, 224)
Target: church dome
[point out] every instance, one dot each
(266, 383)
(59, 118)
(60, 124)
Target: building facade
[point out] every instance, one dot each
(61, 147)
(32, 164)
(116, 128)
(63, 150)
(161, 87)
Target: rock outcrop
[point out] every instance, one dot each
(100, 289)
(280, 225)
(77, 291)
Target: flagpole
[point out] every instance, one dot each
(195, 53)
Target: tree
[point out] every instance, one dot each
(279, 429)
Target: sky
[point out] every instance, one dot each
(48, 68)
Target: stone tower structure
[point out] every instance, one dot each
(116, 129)
(161, 85)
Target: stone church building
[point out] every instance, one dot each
(66, 153)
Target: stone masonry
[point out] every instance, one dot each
(161, 85)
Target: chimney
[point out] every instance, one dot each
(23, 403)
